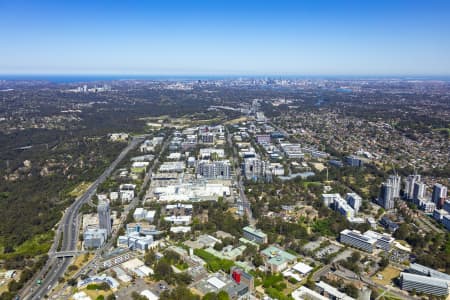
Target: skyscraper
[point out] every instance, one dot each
(104, 216)
(386, 199)
(419, 190)
(439, 195)
(409, 185)
(395, 182)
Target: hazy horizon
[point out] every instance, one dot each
(251, 38)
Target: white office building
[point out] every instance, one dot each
(303, 293)
(208, 153)
(354, 200)
(94, 238)
(424, 284)
(135, 241)
(383, 241)
(355, 239)
(214, 169)
(254, 168)
(339, 204)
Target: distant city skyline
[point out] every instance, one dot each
(236, 38)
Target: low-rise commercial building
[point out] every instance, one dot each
(383, 241)
(135, 241)
(355, 239)
(423, 284)
(303, 293)
(94, 238)
(178, 220)
(332, 292)
(426, 271)
(277, 259)
(255, 235)
(192, 192)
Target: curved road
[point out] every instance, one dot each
(69, 226)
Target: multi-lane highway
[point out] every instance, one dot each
(69, 228)
(94, 263)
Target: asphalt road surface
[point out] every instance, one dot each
(69, 226)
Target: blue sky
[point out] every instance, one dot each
(303, 37)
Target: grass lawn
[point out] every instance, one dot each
(95, 293)
(389, 273)
(236, 121)
(80, 189)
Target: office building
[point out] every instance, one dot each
(388, 224)
(355, 239)
(241, 277)
(439, 195)
(172, 167)
(328, 199)
(207, 138)
(354, 200)
(214, 169)
(178, 220)
(305, 293)
(276, 259)
(142, 214)
(254, 168)
(383, 241)
(142, 229)
(211, 153)
(292, 151)
(216, 282)
(94, 238)
(178, 209)
(423, 284)
(139, 214)
(255, 235)
(104, 217)
(263, 139)
(426, 271)
(353, 161)
(331, 292)
(339, 204)
(135, 241)
(446, 206)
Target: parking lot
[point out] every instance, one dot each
(324, 252)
